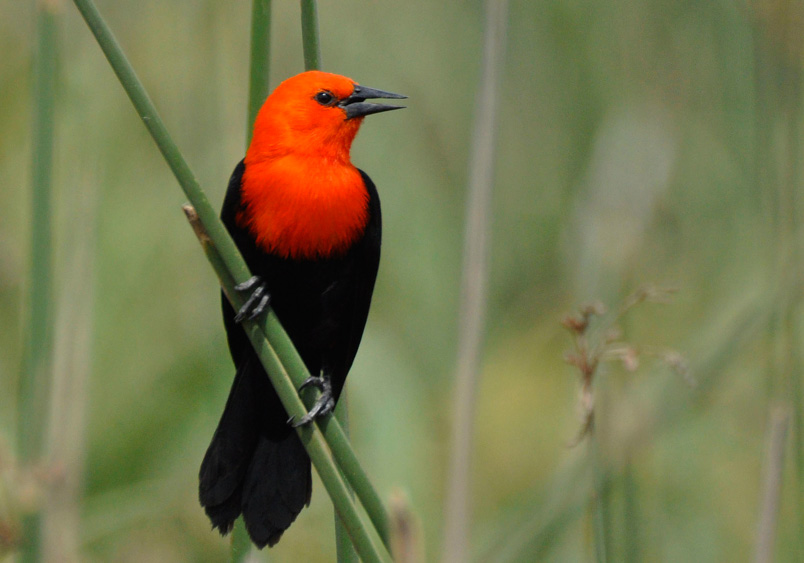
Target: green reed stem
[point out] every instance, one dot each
(259, 74)
(345, 551)
(312, 47)
(241, 543)
(35, 379)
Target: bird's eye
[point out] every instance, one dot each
(324, 98)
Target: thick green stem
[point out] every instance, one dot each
(312, 48)
(258, 86)
(36, 369)
(231, 269)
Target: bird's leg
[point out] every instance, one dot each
(257, 302)
(325, 402)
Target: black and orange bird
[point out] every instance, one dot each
(307, 222)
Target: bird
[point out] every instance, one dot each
(308, 224)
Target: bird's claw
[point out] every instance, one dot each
(313, 381)
(257, 302)
(324, 405)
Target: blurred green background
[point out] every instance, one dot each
(652, 142)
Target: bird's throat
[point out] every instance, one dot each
(302, 207)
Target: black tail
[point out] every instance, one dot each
(250, 467)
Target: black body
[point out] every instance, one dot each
(256, 464)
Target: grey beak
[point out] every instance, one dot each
(356, 105)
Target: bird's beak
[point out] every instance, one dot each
(356, 106)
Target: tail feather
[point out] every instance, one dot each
(229, 454)
(223, 514)
(278, 486)
(251, 468)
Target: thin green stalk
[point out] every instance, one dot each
(352, 470)
(631, 516)
(794, 86)
(771, 487)
(797, 392)
(36, 368)
(794, 363)
(599, 501)
(33, 384)
(231, 269)
(312, 48)
(474, 279)
(258, 86)
(241, 542)
(345, 550)
(778, 90)
(66, 436)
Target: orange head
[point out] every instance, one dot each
(316, 113)
(302, 197)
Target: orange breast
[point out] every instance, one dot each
(303, 207)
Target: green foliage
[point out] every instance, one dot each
(627, 142)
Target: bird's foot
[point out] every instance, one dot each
(323, 406)
(257, 302)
